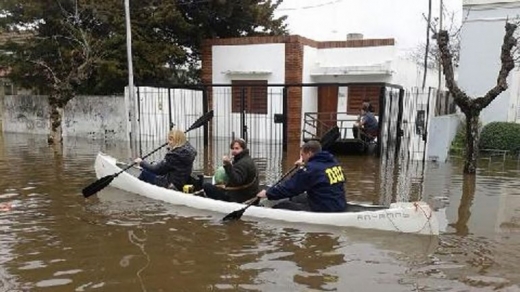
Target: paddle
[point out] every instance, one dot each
(326, 141)
(106, 180)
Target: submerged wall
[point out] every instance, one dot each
(95, 117)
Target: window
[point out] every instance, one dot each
(357, 94)
(255, 96)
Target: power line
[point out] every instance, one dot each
(309, 6)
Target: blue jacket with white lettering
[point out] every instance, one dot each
(322, 178)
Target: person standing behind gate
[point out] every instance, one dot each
(242, 176)
(175, 169)
(321, 177)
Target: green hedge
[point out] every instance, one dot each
(500, 136)
(458, 145)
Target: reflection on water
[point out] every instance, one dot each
(52, 239)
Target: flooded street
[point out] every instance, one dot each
(52, 239)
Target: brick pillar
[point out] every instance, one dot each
(207, 79)
(293, 74)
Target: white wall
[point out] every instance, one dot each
(481, 38)
(362, 56)
(350, 57)
(410, 74)
(442, 131)
(241, 59)
(310, 93)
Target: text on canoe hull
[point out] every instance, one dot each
(390, 215)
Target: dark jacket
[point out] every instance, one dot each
(242, 178)
(370, 124)
(322, 178)
(175, 168)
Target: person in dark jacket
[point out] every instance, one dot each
(367, 127)
(242, 176)
(174, 170)
(320, 176)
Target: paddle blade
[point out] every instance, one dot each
(201, 121)
(330, 137)
(97, 185)
(236, 215)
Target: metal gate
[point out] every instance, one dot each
(403, 142)
(254, 112)
(159, 109)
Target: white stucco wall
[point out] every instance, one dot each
(441, 132)
(309, 93)
(238, 62)
(361, 56)
(353, 57)
(410, 74)
(481, 38)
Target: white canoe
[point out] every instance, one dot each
(415, 217)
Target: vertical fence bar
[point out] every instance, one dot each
(399, 131)
(243, 113)
(205, 109)
(170, 116)
(138, 96)
(382, 105)
(284, 124)
(426, 124)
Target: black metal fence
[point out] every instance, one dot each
(250, 111)
(257, 112)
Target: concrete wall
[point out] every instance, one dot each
(95, 117)
(26, 114)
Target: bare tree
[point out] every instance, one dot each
(471, 107)
(430, 59)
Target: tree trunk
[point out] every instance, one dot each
(472, 137)
(56, 114)
(464, 210)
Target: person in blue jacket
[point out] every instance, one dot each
(320, 176)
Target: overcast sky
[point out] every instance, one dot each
(333, 19)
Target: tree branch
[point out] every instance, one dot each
(508, 63)
(460, 97)
(50, 73)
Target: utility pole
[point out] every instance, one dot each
(428, 22)
(131, 102)
(440, 63)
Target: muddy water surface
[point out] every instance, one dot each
(51, 239)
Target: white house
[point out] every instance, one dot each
(481, 39)
(328, 76)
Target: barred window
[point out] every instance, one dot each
(254, 93)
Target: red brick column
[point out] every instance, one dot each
(207, 79)
(293, 75)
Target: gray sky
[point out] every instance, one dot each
(333, 19)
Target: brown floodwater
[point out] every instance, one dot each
(52, 239)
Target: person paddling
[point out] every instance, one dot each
(174, 170)
(320, 177)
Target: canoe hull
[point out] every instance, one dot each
(415, 217)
